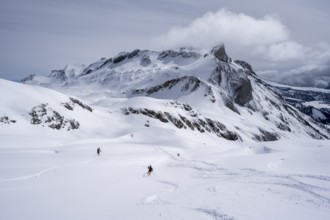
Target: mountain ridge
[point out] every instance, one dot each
(222, 90)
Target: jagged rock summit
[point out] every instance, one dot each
(220, 53)
(188, 89)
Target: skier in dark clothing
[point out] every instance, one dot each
(98, 151)
(150, 169)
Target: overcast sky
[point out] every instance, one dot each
(283, 40)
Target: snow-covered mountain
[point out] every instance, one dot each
(222, 143)
(314, 102)
(205, 92)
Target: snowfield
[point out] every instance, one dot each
(192, 179)
(222, 145)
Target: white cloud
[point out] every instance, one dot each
(225, 27)
(264, 42)
(264, 39)
(283, 51)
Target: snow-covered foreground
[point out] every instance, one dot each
(192, 179)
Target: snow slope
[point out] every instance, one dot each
(47, 173)
(222, 144)
(286, 179)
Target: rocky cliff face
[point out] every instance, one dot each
(220, 53)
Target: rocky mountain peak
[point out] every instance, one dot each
(210, 81)
(220, 53)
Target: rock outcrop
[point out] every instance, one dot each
(195, 122)
(42, 114)
(245, 65)
(220, 53)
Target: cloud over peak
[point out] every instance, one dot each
(264, 39)
(225, 27)
(265, 42)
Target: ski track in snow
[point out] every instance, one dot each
(156, 199)
(285, 185)
(306, 190)
(36, 175)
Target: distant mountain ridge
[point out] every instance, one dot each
(229, 99)
(311, 101)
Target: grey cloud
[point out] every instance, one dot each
(314, 76)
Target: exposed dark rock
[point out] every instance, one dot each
(265, 115)
(119, 58)
(168, 84)
(242, 91)
(58, 74)
(122, 56)
(37, 113)
(177, 122)
(321, 115)
(145, 61)
(237, 83)
(6, 120)
(42, 114)
(87, 71)
(73, 124)
(58, 121)
(189, 83)
(216, 76)
(81, 104)
(298, 98)
(220, 53)
(245, 65)
(229, 104)
(184, 106)
(266, 136)
(318, 134)
(180, 122)
(181, 53)
(68, 106)
(106, 62)
(147, 124)
(132, 54)
(187, 122)
(29, 78)
(283, 127)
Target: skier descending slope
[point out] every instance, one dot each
(150, 170)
